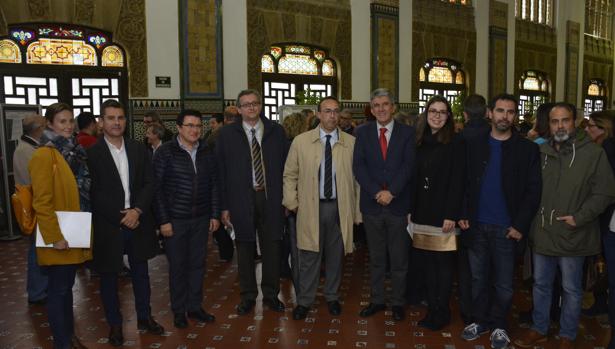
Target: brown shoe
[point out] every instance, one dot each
(529, 338)
(565, 343)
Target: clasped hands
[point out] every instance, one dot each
(384, 197)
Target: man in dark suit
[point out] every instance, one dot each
(251, 156)
(121, 195)
(383, 163)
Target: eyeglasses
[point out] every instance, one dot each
(331, 111)
(437, 113)
(250, 105)
(192, 126)
(593, 125)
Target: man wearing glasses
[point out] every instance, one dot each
(186, 203)
(251, 156)
(326, 205)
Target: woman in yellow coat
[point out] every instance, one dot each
(60, 182)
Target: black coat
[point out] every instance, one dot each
(605, 218)
(180, 193)
(440, 180)
(236, 183)
(474, 127)
(521, 178)
(107, 199)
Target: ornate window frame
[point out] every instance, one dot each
(441, 76)
(594, 96)
(537, 11)
(534, 89)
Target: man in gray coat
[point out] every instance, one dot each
(33, 127)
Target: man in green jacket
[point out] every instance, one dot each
(578, 185)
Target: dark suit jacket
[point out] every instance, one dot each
(107, 199)
(373, 172)
(236, 184)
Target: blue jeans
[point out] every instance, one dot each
(139, 276)
(37, 278)
(492, 257)
(545, 268)
(608, 241)
(60, 303)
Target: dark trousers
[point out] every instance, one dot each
(291, 232)
(140, 286)
(608, 241)
(386, 233)
(37, 278)
(186, 252)
(226, 248)
(439, 281)
(491, 254)
(415, 289)
(270, 252)
(464, 280)
(60, 303)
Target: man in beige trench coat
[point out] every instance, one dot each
(319, 186)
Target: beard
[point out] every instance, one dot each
(561, 136)
(503, 125)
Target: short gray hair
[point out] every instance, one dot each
(246, 93)
(157, 130)
(382, 92)
(32, 123)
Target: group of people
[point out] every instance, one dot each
(426, 196)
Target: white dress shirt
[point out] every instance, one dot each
(323, 139)
(389, 131)
(121, 163)
(258, 127)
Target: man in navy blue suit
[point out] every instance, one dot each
(383, 163)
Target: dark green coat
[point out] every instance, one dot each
(576, 181)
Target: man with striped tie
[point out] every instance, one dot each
(251, 156)
(324, 225)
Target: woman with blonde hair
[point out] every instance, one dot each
(294, 125)
(60, 182)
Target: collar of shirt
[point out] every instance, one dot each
(389, 128)
(113, 147)
(194, 147)
(323, 136)
(32, 139)
(258, 127)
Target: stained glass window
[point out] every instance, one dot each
(595, 97)
(313, 70)
(534, 88)
(267, 65)
(531, 83)
(58, 51)
(112, 57)
(297, 64)
(598, 18)
(328, 69)
(459, 78)
(9, 52)
(538, 11)
(440, 75)
(593, 90)
(458, 2)
(421, 74)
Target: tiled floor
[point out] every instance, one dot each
(23, 326)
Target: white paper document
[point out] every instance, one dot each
(75, 226)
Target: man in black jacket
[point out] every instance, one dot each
(251, 154)
(502, 195)
(121, 195)
(187, 209)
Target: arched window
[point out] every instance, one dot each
(595, 96)
(440, 76)
(77, 65)
(534, 89)
(290, 68)
(458, 2)
(537, 11)
(598, 18)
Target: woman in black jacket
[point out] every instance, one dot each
(437, 205)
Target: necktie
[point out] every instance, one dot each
(383, 142)
(257, 163)
(328, 169)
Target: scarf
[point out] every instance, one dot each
(76, 157)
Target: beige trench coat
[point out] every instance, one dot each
(301, 190)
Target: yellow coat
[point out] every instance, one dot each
(301, 189)
(55, 189)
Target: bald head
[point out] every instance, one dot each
(33, 126)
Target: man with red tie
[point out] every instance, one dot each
(383, 163)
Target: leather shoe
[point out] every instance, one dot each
(41, 301)
(334, 308)
(245, 307)
(201, 316)
(300, 312)
(398, 313)
(76, 344)
(274, 304)
(150, 325)
(180, 320)
(371, 309)
(116, 337)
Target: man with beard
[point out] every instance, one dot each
(502, 195)
(578, 186)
